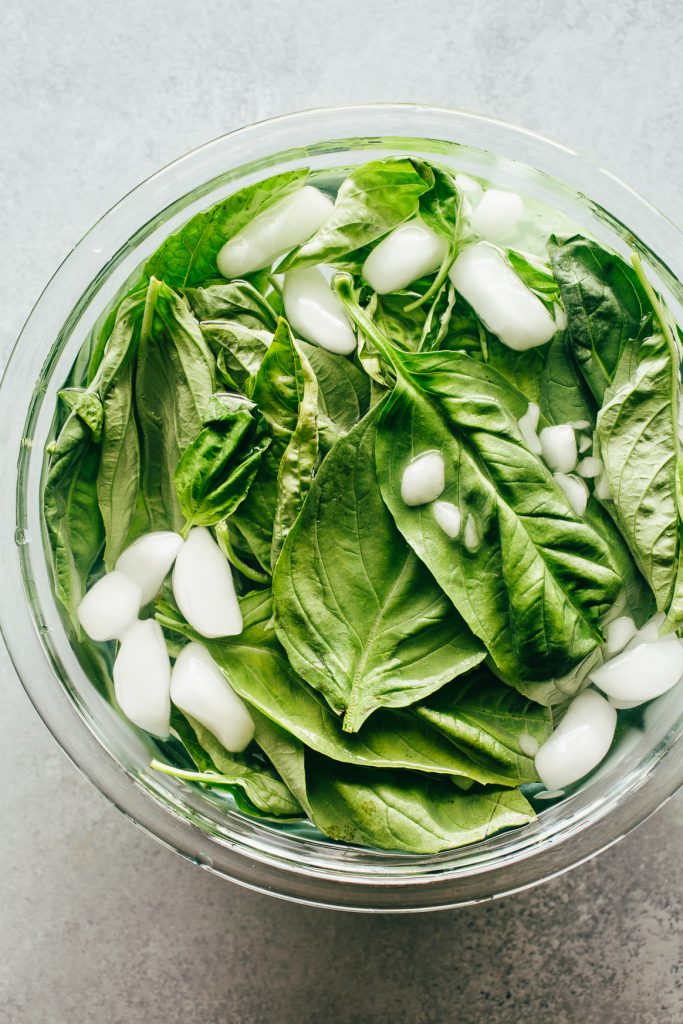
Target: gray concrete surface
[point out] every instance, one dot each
(97, 922)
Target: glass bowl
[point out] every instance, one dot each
(646, 766)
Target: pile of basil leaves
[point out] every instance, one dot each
(397, 679)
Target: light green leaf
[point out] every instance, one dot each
(375, 198)
(188, 257)
(360, 617)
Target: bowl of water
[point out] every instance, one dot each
(295, 861)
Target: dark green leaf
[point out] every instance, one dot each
(298, 462)
(217, 468)
(533, 580)
(375, 198)
(605, 303)
(491, 723)
(188, 257)
(637, 439)
(277, 390)
(174, 382)
(72, 514)
(118, 480)
(564, 396)
(235, 301)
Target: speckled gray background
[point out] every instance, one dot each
(98, 924)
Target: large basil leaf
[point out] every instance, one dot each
(87, 405)
(440, 210)
(361, 618)
(563, 394)
(533, 579)
(343, 393)
(491, 723)
(277, 390)
(236, 301)
(118, 479)
(72, 514)
(217, 468)
(605, 303)
(637, 439)
(297, 465)
(255, 787)
(173, 385)
(404, 811)
(257, 668)
(188, 257)
(375, 198)
(392, 810)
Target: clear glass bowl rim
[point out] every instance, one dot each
(241, 849)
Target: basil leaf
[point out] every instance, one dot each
(254, 786)
(491, 723)
(563, 394)
(87, 405)
(533, 580)
(343, 393)
(522, 370)
(239, 350)
(637, 439)
(72, 514)
(258, 670)
(118, 479)
(605, 303)
(188, 257)
(173, 385)
(537, 276)
(402, 811)
(217, 468)
(298, 462)
(375, 198)
(276, 389)
(234, 301)
(637, 599)
(389, 809)
(360, 618)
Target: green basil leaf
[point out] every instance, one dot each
(361, 619)
(298, 462)
(402, 811)
(257, 668)
(563, 394)
(276, 389)
(217, 468)
(88, 406)
(533, 580)
(536, 275)
(491, 723)
(637, 439)
(72, 514)
(265, 793)
(343, 393)
(188, 257)
(374, 199)
(235, 301)
(389, 809)
(239, 350)
(118, 480)
(605, 303)
(173, 385)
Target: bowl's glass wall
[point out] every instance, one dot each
(643, 769)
